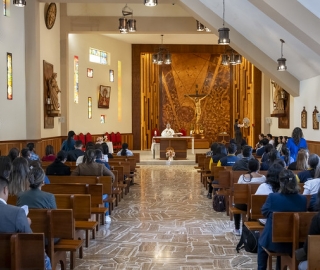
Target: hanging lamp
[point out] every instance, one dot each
(163, 56)
(19, 3)
(282, 61)
(150, 3)
(223, 32)
(127, 25)
(200, 26)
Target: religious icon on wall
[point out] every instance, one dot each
(111, 75)
(315, 123)
(104, 97)
(89, 72)
(304, 118)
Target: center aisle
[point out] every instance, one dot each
(166, 222)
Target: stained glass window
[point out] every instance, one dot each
(89, 107)
(4, 7)
(98, 56)
(76, 79)
(9, 76)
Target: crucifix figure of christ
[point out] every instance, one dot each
(196, 98)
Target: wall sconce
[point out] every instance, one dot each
(269, 120)
(282, 61)
(127, 25)
(19, 3)
(223, 32)
(150, 3)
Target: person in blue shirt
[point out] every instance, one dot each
(285, 155)
(296, 142)
(231, 158)
(33, 155)
(99, 158)
(69, 143)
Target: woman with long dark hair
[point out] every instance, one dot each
(252, 176)
(50, 156)
(296, 142)
(285, 155)
(19, 176)
(69, 143)
(13, 153)
(35, 198)
(124, 151)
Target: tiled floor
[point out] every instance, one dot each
(166, 222)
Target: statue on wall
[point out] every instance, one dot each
(315, 122)
(53, 92)
(279, 97)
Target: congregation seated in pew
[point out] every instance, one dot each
(50, 155)
(19, 176)
(287, 199)
(14, 219)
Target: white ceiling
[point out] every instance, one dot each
(256, 27)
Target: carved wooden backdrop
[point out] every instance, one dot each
(163, 101)
(158, 92)
(180, 78)
(247, 99)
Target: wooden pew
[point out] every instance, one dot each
(28, 250)
(241, 195)
(57, 224)
(81, 206)
(22, 251)
(95, 201)
(289, 227)
(313, 252)
(197, 155)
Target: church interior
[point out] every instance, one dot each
(66, 66)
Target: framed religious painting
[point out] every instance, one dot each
(89, 72)
(104, 97)
(315, 123)
(304, 118)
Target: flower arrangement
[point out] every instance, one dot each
(170, 154)
(101, 140)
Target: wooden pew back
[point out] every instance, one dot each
(5, 254)
(28, 250)
(313, 252)
(79, 203)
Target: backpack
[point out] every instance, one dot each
(249, 240)
(219, 203)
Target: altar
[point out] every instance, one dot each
(179, 144)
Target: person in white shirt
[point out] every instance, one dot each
(168, 132)
(252, 176)
(312, 186)
(269, 137)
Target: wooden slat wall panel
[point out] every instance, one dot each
(247, 98)
(314, 147)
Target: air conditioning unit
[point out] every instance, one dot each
(318, 117)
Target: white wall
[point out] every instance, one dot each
(79, 45)
(309, 97)
(13, 112)
(50, 52)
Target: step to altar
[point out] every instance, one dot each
(199, 144)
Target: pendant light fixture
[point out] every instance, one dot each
(223, 32)
(238, 59)
(127, 25)
(282, 61)
(163, 56)
(19, 3)
(150, 3)
(225, 60)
